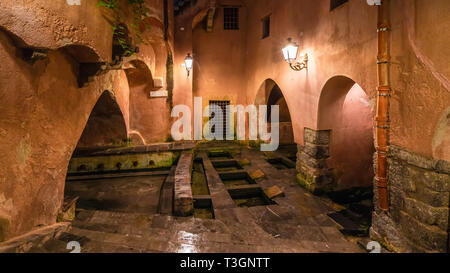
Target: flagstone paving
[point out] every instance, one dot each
(297, 223)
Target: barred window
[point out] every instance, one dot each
(231, 18)
(336, 3)
(214, 107)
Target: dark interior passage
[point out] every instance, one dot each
(106, 125)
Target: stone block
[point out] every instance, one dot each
(443, 166)
(437, 181)
(317, 151)
(386, 232)
(431, 238)
(273, 192)
(321, 137)
(305, 159)
(258, 174)
(399, 176)
(433, 198)
(396, 197)
(411, 158)
(427, 214)
(183, 199)
(419, 195)
(316, 184)
(244, 162)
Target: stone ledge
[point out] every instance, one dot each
(427, 214)
(183, 199)
(440, 166)
(35, 238)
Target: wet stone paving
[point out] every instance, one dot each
(232, 213)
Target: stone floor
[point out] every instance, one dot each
(121, 215)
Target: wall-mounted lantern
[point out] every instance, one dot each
(188, 61)
(290, 53)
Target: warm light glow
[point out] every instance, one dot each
(290, 51)
(188, 62)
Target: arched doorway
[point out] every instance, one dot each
(344, 108)
(276, 98)
(105, 127)
(345, 112)
(271, 94)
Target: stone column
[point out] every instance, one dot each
(312, 168)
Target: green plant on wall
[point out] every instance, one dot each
(169, 78)
(123, 32)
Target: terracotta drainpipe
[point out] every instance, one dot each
(383, 94)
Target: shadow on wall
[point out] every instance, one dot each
(345, 109)
(106, 125)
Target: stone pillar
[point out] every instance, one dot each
(418, 218)
(312, 168)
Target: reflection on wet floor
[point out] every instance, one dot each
(189, 241)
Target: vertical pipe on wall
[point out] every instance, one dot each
(382, 116)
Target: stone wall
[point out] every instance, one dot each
(418, 220)
(313, 171)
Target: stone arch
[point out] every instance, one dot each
(271, 94)
(345, 112)
(148, 114)
(106, 125)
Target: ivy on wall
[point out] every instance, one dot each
(125, 32)
(169, 78)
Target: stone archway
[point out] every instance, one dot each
(271, 94)
(345, 111)
(337, 158)
(149, 108)
(105, 127)
(275, 97)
